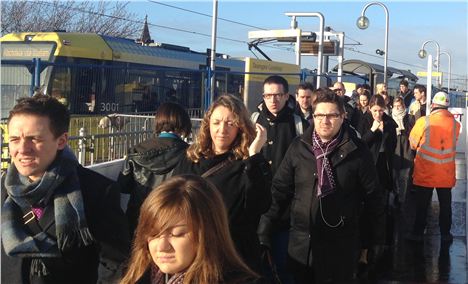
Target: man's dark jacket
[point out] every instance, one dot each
(281, 130)
(107, 224)
(295, 183)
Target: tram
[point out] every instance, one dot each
(97, 74)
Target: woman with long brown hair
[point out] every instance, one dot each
(182, 237)
(227, 153)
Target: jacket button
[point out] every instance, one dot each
(270, 162)
(270, 142)
(315, 174)
(272, 123)
(341, 156)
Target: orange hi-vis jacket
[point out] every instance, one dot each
(434, 137)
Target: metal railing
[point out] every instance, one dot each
(118, 133)
(97, 139)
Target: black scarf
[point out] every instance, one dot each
(326, 179)
(59, 184)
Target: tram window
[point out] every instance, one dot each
(60, 87)
(15, 82)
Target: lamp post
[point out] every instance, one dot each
(294, 15)
(363, 23)
(214, 22)
(450, 69)
(422, 53)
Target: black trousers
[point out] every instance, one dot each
(423, 199)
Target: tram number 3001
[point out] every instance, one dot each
(109, 106)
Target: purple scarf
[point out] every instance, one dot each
(326, 180)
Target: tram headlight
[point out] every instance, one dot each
(422, 53)
(362, 22)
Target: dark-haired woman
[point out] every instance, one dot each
(379, 133)
(152, 161)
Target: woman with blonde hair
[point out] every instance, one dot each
(227, 153)
(182, 237)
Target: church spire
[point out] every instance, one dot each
(145, 38)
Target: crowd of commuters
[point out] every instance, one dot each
(303, 190)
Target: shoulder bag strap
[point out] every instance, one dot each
(215, 168)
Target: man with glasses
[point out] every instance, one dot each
(351, 114)
(276, 114)
(326, 179)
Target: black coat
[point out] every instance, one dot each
(374, 140)
(99, 262)
(331, 251)
(281, 130)
(407, 97)
(146, 166)
(245, 188)
(229, 278)
(404, 156)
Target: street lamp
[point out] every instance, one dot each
(294, 15)
(422, 54)
(363, 23)
(450, 69)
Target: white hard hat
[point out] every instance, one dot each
(441, 98)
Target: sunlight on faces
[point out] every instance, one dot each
(304, 99)
(397, 105)
(403, 88)
(327, 127)
(377, 112)
(223, 129)
(276, 103)
(32, 144)
(363, 100)
(174, 250)
(417, 94)
(339, 89)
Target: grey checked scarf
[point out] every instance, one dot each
(158, 277)
(326, 180)
(60, 183)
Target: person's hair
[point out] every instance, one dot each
(365, 94)
(305, 86)
(325, 95)
(276, 79)
(172, 117)
(195, 200)
(421, 88)
(44, 106)
(377, 100)
(380, 87)
(400, 100)
(404, 82)
(203, 145)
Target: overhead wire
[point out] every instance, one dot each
(220, 37)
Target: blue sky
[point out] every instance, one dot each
(410, 24)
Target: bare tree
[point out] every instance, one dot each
(102, 17)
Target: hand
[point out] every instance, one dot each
(259, 140)
(376, 125)
(415, 107)
(381, 126)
